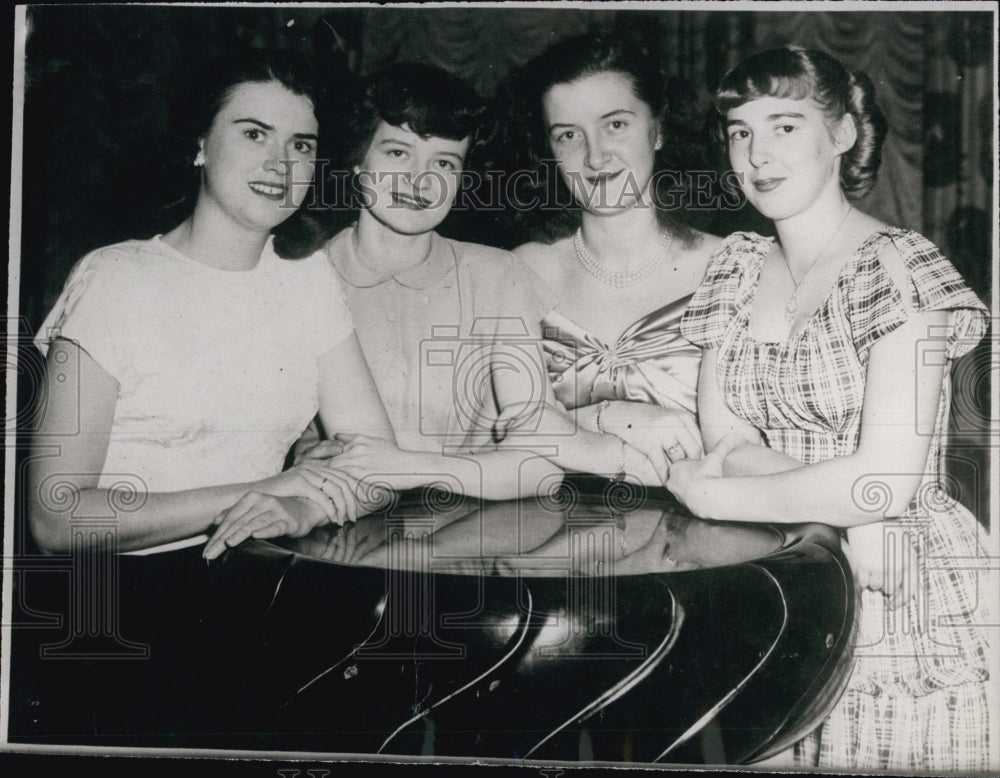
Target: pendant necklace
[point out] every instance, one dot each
(621, 280)
(792, 306)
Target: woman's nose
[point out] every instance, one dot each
(275, 161)
(597, 153)
(758, 152)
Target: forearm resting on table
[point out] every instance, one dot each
(577, 449)
(831, 492)
(755, 459)
(495, 475)
(140, 521)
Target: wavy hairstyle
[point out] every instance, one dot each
(207, 91)
(521, 141)
(807, 73)
(429, 100)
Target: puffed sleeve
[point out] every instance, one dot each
(92, 309)
(877, 306)
(713, 305)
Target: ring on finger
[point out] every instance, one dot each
(675, 452)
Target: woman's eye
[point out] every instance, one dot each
(738, 135)
(617, 124)
(446, 164)
(566, 137)
(396, 153)
(254, 134)
(786, 128)
(303, 147)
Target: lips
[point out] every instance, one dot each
(270, 191)
(412, 202)
(601, 178)
(767, 184)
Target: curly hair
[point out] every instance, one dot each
(802, 73)
(429, 100)
(521, 142)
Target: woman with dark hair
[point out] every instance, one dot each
(450, 329)
(181, 368)
(823, 396)
(606, 147)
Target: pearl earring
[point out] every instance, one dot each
(199, 160)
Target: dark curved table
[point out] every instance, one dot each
(600, 622)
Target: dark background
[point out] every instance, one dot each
(96, 167)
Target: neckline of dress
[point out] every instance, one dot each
(856, 256)
(267, 256)
(630, 328)
(441, 261)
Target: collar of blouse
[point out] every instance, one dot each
(428, 273)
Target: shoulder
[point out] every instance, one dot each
(478, 253)
(548, 260)
(118, 265)
(127, 254)
(700, 248)
(919, 269)
(486, 264)
(734, 253)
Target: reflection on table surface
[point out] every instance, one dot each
(587, 526)
(555, 627)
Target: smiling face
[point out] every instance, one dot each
(408, 182)
(787, 153)
(604, 138)
(259, 155)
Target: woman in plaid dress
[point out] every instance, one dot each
(823, 395)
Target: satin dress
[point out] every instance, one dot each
(650, 362)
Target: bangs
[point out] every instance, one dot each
(429, 119)
(431, 101)
(782, 73)
(734, 92)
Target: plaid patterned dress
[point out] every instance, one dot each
(917, 697)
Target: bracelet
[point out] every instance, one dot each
(600, 409)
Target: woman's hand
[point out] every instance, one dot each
(662, 434)
(691, 480)
(336, 491)
(892, 568)
(263, 516)
(382, 461)
(317, 450)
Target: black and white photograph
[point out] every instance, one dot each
(535, 387)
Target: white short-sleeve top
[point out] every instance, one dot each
(217, 369)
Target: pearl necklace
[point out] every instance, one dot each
(621, 280)
(792, 306)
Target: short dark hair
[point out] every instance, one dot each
(208, 89)
(522, 141)
(429, 100)
(802, 73)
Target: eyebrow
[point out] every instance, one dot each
(608, 115)
(270, 128)
(771, 117)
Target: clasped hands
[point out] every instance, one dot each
(325, 485)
